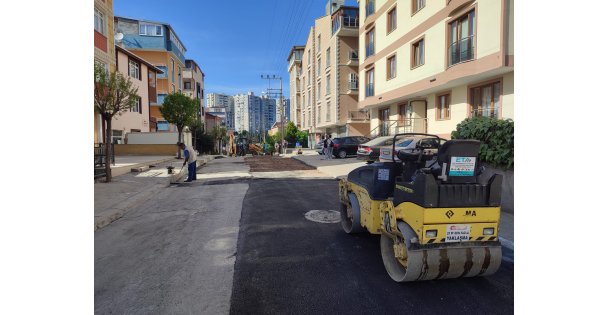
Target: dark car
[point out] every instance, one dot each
(370, 151)
(347, 146)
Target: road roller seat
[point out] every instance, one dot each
(458, 161)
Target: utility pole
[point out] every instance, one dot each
(277, 92)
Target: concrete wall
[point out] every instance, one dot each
(152, 138)
(145, 149)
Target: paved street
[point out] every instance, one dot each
(238, 242)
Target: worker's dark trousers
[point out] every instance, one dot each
(191, 171)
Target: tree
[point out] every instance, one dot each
(180, 110)
(218, 134)
(114, 94)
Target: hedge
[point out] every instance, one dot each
(496, 136)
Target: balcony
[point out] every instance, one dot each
(345, 22)
(353, 87)
(353, 58)
(355, 116)
(461, 51)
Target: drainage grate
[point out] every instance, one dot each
(323, 216)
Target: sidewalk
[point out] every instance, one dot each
(114, 199)
(338, 168)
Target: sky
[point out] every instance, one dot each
(234, 42)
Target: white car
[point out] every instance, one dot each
(409, 143)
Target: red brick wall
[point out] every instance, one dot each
(101, 41)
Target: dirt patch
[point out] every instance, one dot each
(275, 164)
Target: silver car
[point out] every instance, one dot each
(409, 143)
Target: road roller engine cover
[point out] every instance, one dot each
(437, 214)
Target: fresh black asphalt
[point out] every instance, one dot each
(288, 265)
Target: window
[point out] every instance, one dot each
(318, 91)
(443, 107)
(418, 53)
(370, 8)
(134, 70)
(151, 78)
(308, 98)
(162, 125)
(149, 29)
(318, 114)
(328, 84)
(117, 136)
(309, 76)
(328, 112)
(391, 19)
(309, 57)
(187, 85)
(176, 41)
(309, 115)
(173, 88)
(391, 67)
(369, 83)
(369, 42)
(172, 72)
(100, 22)
(417, 5)
(327, 58)
(163, 68)
(160, 98)
(353, 81)
(319, 67)
(485, 100)
(462, 39)
(136, 108)
(319, 43)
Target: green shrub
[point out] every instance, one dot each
(496, 136)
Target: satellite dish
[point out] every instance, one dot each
(118, 37)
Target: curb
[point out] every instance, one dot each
(127, 169)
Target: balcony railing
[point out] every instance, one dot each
(358, 115)
(353, 84)
(461, 50)
(493, 112)
(344, 21)
(369, 90)
(393, 127)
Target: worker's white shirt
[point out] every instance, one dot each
(192, 153)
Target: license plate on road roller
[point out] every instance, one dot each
(457, 233)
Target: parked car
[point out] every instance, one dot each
(347, 146)
(370, 151)
(409, 143)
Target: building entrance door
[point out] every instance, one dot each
(383, 116)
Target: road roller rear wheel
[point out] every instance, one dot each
(394, 257)
(350, 215)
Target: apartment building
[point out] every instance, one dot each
(159, 44)
(286, 107)
(217, 102)
(295, 85)
(427, 65)
(104, 52)
(329, 75)
(247, 112)
(194, 84)
(269, 112)
(143, 76)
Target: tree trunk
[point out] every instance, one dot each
(107, 148)
(179, 139)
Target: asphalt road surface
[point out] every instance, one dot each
(289, 265)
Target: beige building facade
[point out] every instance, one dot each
(427, 65)
(329, 77)
(142, 74)
(295, 86)
(194, 85)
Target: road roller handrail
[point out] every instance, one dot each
(411, 134)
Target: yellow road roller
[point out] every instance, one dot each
(436, 212)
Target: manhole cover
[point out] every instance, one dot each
(323, 216)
